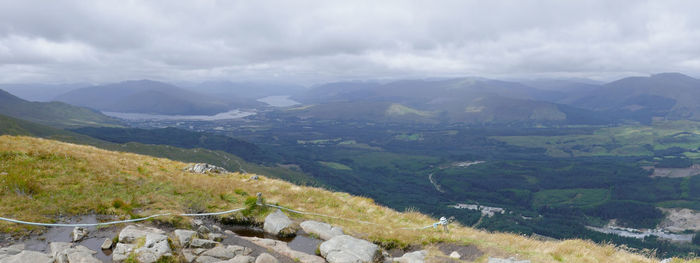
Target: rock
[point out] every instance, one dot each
(412, 257)
(184, 237)
(28, 256)
(322, 230)
(155, 247)
(107, 244)
(197, 222)
(241, 259)
(202, 168)
(63, 252)
(207, 259)
(508, 260)
(215, 237)
(345, 248)
(121, 252)
(202, 243)
(11, 250)
(668, 260)
(203, 230)
(57, 247)
(228, 252)
(131, 233)
(188, 255)
(284, 250)
(266, 258)
(78, 234)
(277, 223)
(229, 232)
(215, 228)
(455, 255)
(82, 257)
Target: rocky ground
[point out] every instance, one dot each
(208, 242)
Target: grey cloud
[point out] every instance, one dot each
(313, 41)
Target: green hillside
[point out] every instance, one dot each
(12, 126)
(55, 114)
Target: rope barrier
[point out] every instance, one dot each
(443, 221)
(116, 222)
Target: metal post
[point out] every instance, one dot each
(260, 200)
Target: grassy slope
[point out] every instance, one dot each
(47, 178)
(57, 114)
(12, 126)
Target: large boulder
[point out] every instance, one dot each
(322, 230)
(28, 256)
(131, 233)
(283, 249)
(347, 249)
(277, 223)
(146, 243)
(202, 168)
(63, 252)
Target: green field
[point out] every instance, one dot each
(578, 198)
(337, 166)
(618, 141)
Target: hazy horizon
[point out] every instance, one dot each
(314, 42)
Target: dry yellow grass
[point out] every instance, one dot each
(76, 179)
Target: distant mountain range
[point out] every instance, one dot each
(459, 100)
(55, 114)
(145, 96)
(479, 100)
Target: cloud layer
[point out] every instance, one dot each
(314, 41)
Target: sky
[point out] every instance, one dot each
(320, 41)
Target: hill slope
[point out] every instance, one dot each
(12, 126)
(44, 178)
(668, 95)
(465, 100)
(56, 114)
(144, 96)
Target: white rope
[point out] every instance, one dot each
(116, 222)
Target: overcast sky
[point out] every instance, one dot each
(316, 41)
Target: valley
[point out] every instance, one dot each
(528, 167)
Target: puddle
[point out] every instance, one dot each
(302, 242)
(93, 240)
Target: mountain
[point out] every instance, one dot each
(47, 178)
(464, 100)
(145, 96)
(245, 90)
(667, 95)
(40, 92)
(56, 114)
